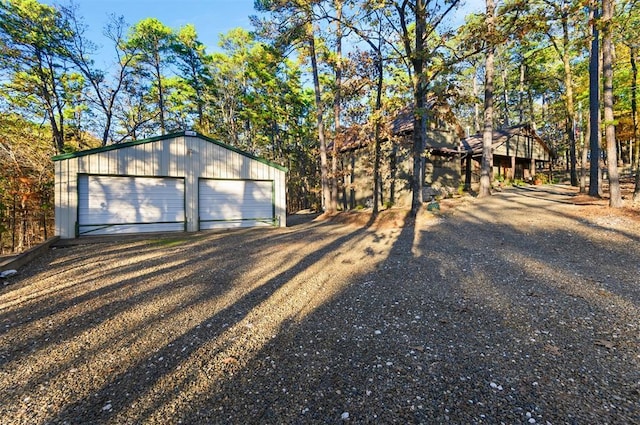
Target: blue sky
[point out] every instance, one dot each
(210, 17)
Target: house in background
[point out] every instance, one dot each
(442, 163)
(518, 153)
(452, 160)
(442, 150)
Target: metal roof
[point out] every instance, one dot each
(188, 133)
(474, 142)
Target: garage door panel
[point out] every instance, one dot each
(117, 205)
(232, 224)
(235, 203)
(131, 212)
(123, 229)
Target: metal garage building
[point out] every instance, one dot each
(178, 182)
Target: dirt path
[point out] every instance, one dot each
(523, 309)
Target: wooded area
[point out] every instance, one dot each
(308, 71)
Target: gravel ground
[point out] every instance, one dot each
(521, 309)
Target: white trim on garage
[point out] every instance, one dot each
(235, 203)
(125, 204)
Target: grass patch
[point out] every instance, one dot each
(170, 243)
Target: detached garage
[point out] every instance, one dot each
(179, 182)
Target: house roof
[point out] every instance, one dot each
(403, 123)
(188, 133)
(354, 137)
(359, 136)
(474, 142)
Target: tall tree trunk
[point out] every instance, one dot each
(505, 97)
(57, 129)
(324, 166)
(521, 93)
(594, 105)
(377, 183)
(333, 180)
(585, 137)
(107, 128)
(571, 112)
(532, 115)
(420, 94)
(487, 133)
(615, 197)
(584, 155)
(476, 106)
(161, 110)
(377, 180)
(54, 104)
(633, 53)
(14, 223)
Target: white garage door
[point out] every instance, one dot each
(117, 205)
(235, 203)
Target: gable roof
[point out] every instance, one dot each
(403, 123)
(361, 135)
(187, 133)
(355, 137)
(474, 142)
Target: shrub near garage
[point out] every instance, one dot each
(540, 178)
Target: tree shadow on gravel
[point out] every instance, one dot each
(470, 321)
(518, 193)
(46, 303)
(84, 270)
(473, 318)
(136, 380)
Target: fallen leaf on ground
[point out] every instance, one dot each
(604, 343)
(230, 360)
(552, 349)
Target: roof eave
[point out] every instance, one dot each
(186, 133)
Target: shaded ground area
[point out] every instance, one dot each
(521, 309)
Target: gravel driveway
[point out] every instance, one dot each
(521, 309)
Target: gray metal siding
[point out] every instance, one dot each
(188, 157)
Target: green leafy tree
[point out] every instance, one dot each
(153, 41)
(564, 14)
(33, 37)
(229, 73)
(260, 105)
(295, 24)
(193, 64)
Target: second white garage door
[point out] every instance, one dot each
(235, 203)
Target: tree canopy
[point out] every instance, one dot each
(312, 69)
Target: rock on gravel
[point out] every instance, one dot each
(8, 273)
